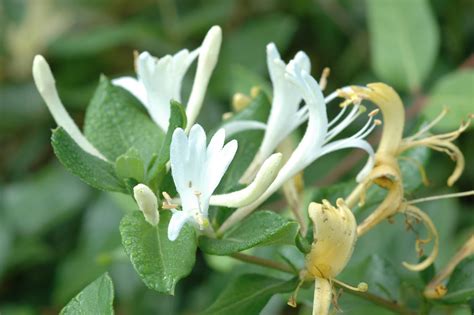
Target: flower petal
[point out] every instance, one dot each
(46, 86)
(177, 222)
(133, 86)
(234, 127)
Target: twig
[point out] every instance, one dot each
(382, 302)
(262, 262)
(365, 295)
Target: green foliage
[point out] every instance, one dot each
(262, 228)
(98, 173)
(116, 121)
(34, 205)
(159, 261)
(96, 298)
(177, 120)
(461, 284)
(249, 141)
(454, 91)
(248, 294)
(130, 165)
(404, 41)
(56, 236)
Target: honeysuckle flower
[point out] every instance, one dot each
(284, 115)
(46, 86)
(335, 235)
(197, 171)
(316, 141)
(386, 172)
(147, 203)
(159, 79)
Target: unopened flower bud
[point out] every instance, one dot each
(147, 203)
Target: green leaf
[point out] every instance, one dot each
(159, 262)
(98, 237)
(43, 200)
(92, 170)
(244, 79)
(116, 121)
(96, 298)
(178, 119)
(249, 141)
(461, 284)
(404, 41)
(248, 294)
(456, 92)
(379, 274)
(259, 229)
(130, 165)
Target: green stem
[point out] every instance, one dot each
(262, 262)
(393, 306)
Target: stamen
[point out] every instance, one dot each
(361, 287)
(430, 125)
(339, 115)
(168, 203)
(445, 196)
(324, 78)
(136, 54)
(432, 234)
(374, 112)
(355, 112)
(365, 130)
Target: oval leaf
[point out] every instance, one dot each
(404, 41)
(456, 92)
(116, 121)
(259, 229)
(92, 170)
(159, 262)
(461, 284)
(96, 298)
(248, 294)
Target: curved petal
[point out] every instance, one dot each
(46, 86)
(249, 194)
(234, 127)
(352, 143)
(208, 55)
(133, 86)
(177, 222)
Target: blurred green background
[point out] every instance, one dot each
(57, 234)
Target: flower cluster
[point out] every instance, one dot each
(197, 166)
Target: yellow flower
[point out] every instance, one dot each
(386, 172)
(334, 240)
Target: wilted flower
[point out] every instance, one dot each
(386, 172)
(335, 235)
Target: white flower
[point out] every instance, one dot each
(285, 114)
(316, 141)
(159, 79)
(196, 173)
(147, 203)
(46, 86)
